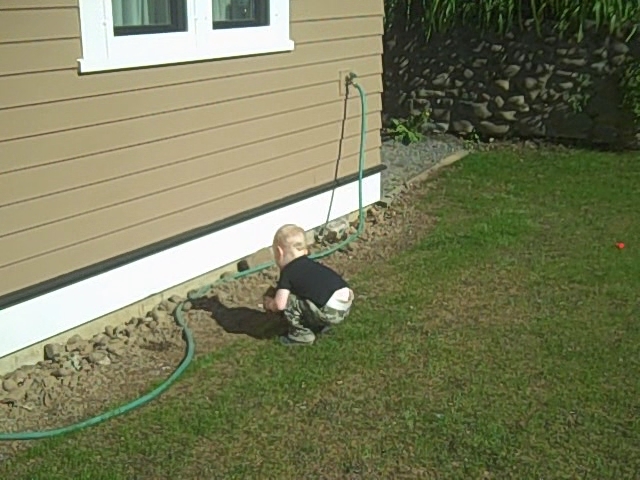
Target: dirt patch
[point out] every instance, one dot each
(86, 377)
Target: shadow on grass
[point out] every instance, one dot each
(243, 320)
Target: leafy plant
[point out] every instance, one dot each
(409, 130)
(630, 86)
(472, 140)
(578, 100)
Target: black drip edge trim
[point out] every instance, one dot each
(42, 288)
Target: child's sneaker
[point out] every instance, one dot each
(326, 330)
(289, 342)
(322, 330)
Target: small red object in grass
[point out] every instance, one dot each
(620, 245)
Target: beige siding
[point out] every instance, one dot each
(96, 166)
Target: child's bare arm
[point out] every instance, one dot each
(281, 299)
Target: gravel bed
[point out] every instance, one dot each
(406, 161)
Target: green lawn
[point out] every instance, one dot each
(504, 345)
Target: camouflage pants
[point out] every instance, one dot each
(304, 317)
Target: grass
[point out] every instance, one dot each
(503, 345)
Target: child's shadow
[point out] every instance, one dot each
(242, 320)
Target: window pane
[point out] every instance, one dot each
(239, 13)
(132, 17)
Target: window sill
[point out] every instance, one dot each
(180, 56)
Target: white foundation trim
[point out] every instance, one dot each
(51, 314)
(103, 51)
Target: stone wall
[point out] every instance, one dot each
(522, 85)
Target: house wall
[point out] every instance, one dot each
(95, 166)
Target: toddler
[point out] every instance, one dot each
(312, 296)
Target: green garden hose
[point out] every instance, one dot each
(201, 292)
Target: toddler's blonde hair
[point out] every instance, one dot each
(291, 239)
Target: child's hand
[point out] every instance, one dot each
(268, 303)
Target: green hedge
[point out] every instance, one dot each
(568, 16)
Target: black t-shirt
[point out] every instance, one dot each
(311, 280)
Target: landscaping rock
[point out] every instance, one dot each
(336, 230)
(310, 237)
(619, 48)
(489, 128)
(75, 339)
(511, 71)
(118, 350)
(576, 62)
(101, 339)
(509, 115)
(261, 257)
(533, 94)
(84, 347)
(65, 370)
(160, 316)
(100, 358)
(462, 126)
(52, 351)
(481, 110)
(9, 385)
(503, 85)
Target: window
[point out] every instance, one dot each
(139, 17)
(240, 13)
(118, 34)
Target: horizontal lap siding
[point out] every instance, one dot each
(90, 116)
(96, 166)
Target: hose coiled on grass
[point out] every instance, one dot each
(201, 292)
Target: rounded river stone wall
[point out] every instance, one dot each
(523, 84)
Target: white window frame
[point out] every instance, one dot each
(102, 51)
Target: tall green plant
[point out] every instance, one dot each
(568, 16)
(630, 85)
